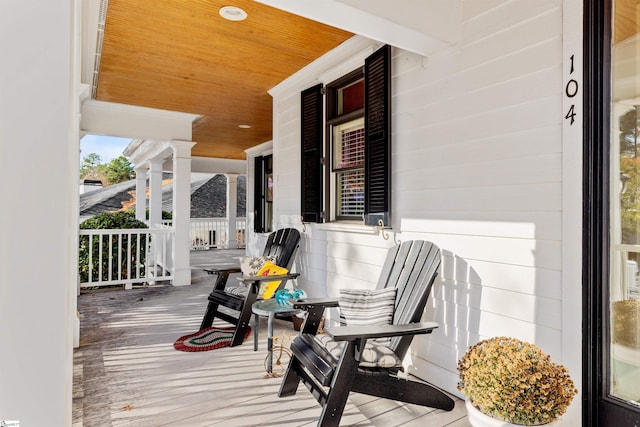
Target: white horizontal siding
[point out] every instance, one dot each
(494, 173)
(483, 123)
(526, 225)
(513, 146)
(476, 168)
(516, 305)
(509, 277)
(485, 22)
(529, 197)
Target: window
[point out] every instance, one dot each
(348, 167)
(263, 196)
(345, 120)
(357, 183)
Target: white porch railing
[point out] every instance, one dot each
(207, 233)
(125, 256)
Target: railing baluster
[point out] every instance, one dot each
(137, 258)
(150, 259)
(110, 262)
(100, 258)
(164, 245)
(129, 274)
(90, 260)
(120, 256)
(127, 283)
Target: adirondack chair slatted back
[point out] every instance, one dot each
(412, 268)
(283, 244)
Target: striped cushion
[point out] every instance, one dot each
(363, 307)
(375, 355)
(240, 291)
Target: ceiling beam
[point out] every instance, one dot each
(393, 23)
(128, 121)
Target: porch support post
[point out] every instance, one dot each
(181, 212)
(141, 194)
(232, 203)
(155, 192)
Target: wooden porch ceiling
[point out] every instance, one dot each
(181, 55)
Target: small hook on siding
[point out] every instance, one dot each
(381, 231)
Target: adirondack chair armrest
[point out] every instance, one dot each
(223, 274)
(308, 303)
(351, 333)
(315, 311)
(254, 281)
(225, 269)
(258, 279)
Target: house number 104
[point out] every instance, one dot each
(571, 90)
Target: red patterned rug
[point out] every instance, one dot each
(207, 339)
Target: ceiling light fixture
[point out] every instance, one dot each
(233, 13)
(244, 126)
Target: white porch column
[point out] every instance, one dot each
(141, 193)
(182, 212)
(232, 204)
(155, 192)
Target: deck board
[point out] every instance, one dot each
(126, 372)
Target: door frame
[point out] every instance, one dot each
(598, 407)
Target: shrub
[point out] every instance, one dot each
(110, 220)
(514, 381)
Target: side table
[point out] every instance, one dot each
(270, 309)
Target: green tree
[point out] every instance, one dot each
(119, 170)
(92, 167)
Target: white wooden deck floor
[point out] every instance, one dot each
(127, 373)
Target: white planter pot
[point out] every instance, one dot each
(478, 419)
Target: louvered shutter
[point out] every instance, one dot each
(258, 195)
(377, 113)
(311, 173)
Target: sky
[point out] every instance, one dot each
(107, 147)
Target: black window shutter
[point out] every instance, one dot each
(258, 195)
(311, 173)
(377, 151)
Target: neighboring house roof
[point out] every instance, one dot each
(106, 199)
(209, 200)
(208, 197)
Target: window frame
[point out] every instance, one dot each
(600, 406)
(333, 118)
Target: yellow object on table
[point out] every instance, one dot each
(268, 289)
